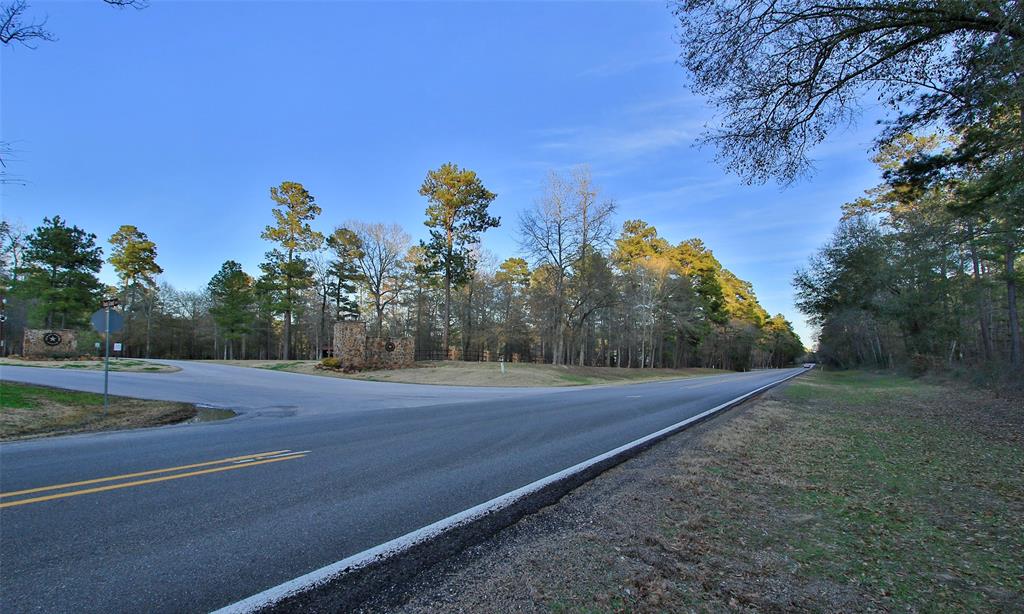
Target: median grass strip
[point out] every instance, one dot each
(837, 492)
(130, 365)
(34, 411)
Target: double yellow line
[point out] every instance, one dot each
(215, 466)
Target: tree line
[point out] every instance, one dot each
(925, 270)
(917, 274)
(582, 292)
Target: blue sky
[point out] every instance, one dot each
(179, 118)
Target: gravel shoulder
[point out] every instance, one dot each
(836, 492)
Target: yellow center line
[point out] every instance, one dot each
(164, 478)
(139, 474)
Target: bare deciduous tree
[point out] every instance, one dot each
(784, 73)
(563, 230)
(381, 263)
(16, 26)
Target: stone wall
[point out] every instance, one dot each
(354, 349)
(53, 343)
(391, 353)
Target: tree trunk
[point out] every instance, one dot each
(556, 359)
(149, 327)
(447, 312)
(287, 333)
(447, 292)
(1011, 306)
(321, 342)
(984, 317)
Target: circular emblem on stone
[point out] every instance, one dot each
(389, 346)
(51, 339)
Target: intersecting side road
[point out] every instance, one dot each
(193, 517)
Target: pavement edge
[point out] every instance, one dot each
(342, 585)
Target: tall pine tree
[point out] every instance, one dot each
(285, 266)
(456, 216)
(59, 273)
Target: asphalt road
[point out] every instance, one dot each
(352, 464)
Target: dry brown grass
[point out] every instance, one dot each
(93, 364)
(484, 373)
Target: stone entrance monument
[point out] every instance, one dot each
(354, 349)
(49, 343)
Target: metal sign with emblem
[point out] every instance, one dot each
(52, 339)
(389, 346)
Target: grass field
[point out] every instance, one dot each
(838, 492)
(485, 373)
(32, 411)
(116, 364)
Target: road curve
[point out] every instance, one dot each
(193, 517)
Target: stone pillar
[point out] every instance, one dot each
(350, 343)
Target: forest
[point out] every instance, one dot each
(924, 271)
(918, 277)
(582, 291)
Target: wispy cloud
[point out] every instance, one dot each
(618, 142)
(687, 101)
(694, 190)
(620, 67)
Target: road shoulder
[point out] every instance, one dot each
(871, 500)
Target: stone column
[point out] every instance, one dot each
(350, 343)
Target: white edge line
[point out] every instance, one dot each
(329, 572)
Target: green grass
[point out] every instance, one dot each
(854, 387)
(917, 509)
(33, 411)
(23, 396)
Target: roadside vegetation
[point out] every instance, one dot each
(842, 491)
(483, 373)
(116, 364)
(35, 411)
(595, 292)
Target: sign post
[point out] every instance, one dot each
(102, 322)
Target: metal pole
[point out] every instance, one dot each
(106, 366)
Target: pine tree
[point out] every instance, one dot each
(59, 273)
(456, 216)
(285, 267)
(231, 289)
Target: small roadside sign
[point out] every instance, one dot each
(110, 302)
(107, 321)
(99, 320)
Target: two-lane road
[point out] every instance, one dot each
(194, 517)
